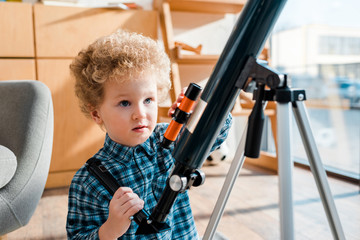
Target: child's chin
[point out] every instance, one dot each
(141, 139)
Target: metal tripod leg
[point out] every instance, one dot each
(285, 174)
(317, 169)
(285, 169)
(230, 179)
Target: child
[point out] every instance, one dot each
(120, 79)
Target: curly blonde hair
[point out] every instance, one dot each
(121, 56)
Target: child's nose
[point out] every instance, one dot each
(139, 112)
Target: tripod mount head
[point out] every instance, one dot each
(271, 85)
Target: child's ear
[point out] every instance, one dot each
(96, 117)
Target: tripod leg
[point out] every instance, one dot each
(285, 168)
(317, 169)
(230, 179)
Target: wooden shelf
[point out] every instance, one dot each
(207, 58)
(197, 59)
(207, 6)
(174, 49)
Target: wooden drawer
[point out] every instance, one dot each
(64, 31)
(16, 28)
(76, 138)
(17, 69)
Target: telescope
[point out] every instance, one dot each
(229, 76)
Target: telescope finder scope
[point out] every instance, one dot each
(181, 114)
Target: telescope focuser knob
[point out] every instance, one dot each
(178, 183)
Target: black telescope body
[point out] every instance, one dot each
(218, 97)
(247, 39)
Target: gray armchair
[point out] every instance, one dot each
(26, 137)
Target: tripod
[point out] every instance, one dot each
(285, 98)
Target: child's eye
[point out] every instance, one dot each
(148, 101)
(124, 103)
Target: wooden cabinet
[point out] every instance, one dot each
(39, 42)
(75, 138)
(16, 68)
(16, 47)
(16, 28)
(61, 32)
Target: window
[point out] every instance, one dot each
(339, 45)
(318, 45)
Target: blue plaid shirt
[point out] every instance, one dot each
(144, 169)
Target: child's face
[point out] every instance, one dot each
(129, 110)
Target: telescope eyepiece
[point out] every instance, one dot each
(181, 114)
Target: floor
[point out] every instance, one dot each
(251, 213)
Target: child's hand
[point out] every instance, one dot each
(124, 204)
(177, 102)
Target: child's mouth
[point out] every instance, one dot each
(139, 128)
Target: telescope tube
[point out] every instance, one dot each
(218, 97)
(247, 39)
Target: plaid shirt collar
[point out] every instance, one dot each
(124, 153)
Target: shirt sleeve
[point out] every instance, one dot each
(87, 208)
(223, 133)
